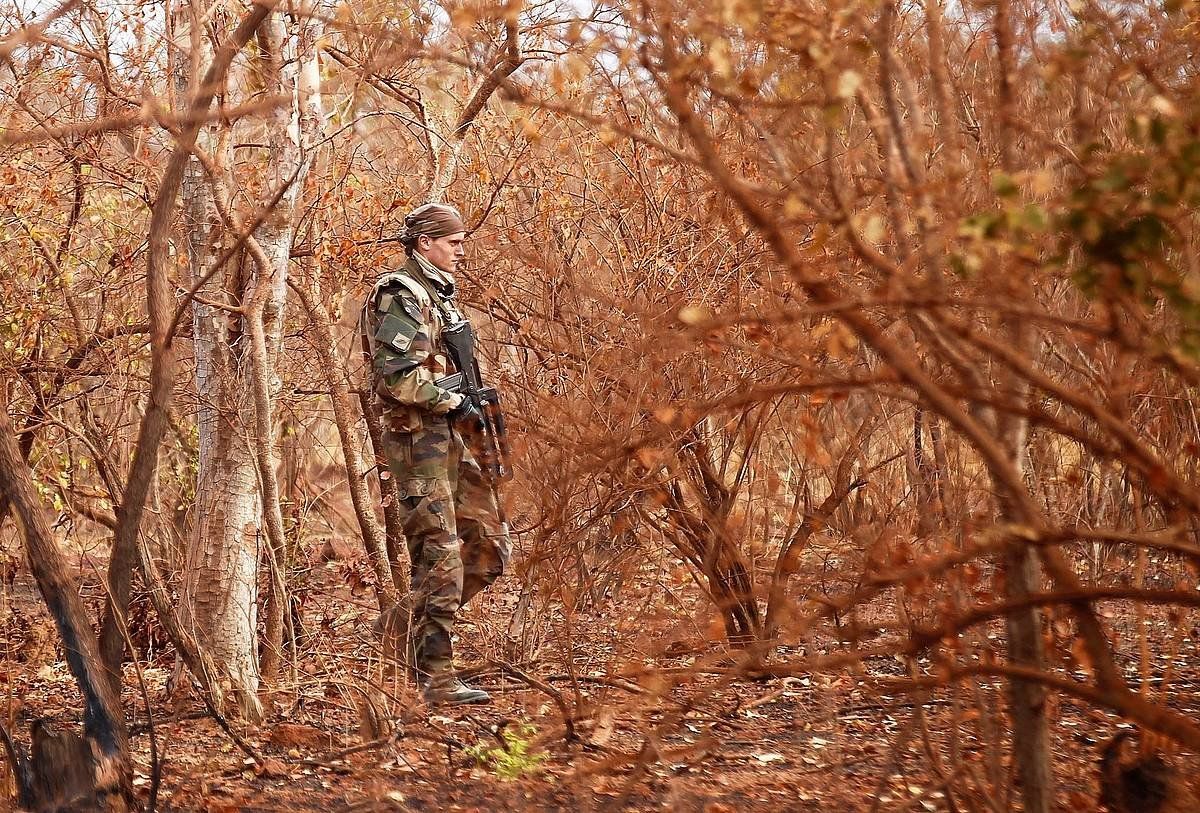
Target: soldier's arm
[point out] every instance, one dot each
(403, 341)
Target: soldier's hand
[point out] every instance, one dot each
(466, 419)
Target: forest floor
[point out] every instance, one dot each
(650, 732)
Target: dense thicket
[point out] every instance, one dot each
(851, 328)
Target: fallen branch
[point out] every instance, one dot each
(550, 691)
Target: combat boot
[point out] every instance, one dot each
(450, 691)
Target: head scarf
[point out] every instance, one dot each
(433, 220)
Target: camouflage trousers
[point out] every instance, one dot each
(456, 542)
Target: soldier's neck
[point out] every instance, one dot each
(442, 282)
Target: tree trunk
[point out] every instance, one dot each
(220, 593)
(1027, 700)
(264, 309)
(237, 489)
(221, 590)
(921, 476)
(180, 177)
(105, 781)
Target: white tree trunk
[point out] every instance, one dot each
(220, 591)
(220, 599)
(239, 521)
(284, 53)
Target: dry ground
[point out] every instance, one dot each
(651, 734)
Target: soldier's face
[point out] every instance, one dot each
(445, 252)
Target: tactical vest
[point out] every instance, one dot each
(444, 314)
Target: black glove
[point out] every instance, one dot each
(466, 419)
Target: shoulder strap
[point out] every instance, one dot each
(415, 288)
(404, 280)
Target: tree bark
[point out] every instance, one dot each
(271, 250)
(220, 600)
(1027, 699)
(154, 423)
(103, 723)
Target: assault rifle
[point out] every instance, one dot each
(491, 443)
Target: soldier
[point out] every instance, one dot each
(457, 542)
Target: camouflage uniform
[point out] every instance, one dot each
(456, 541)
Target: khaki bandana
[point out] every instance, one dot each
(432, 220)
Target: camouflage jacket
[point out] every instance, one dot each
(402, 324)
